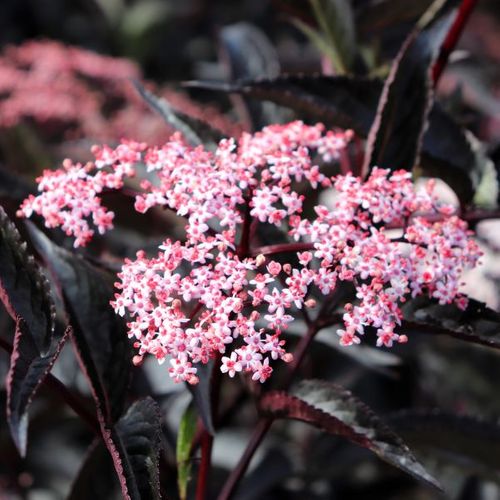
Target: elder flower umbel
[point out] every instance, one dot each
(210, 294)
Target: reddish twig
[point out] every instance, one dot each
(281, 248)
(258, 435)
(205, 436)
(475, 216)
(203, 473)
(72, 401)
(265, 423)
(345, 163)
(244, 245)
(452, 37)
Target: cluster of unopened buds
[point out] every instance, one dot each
(216, 293)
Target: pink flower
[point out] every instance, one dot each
(262, 371)
(207, 295)
(231, 365)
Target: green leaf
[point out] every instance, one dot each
(187, 431)
(336, 411)
(336, 19)
(316, 38)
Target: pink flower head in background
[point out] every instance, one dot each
(67, 92)
(213, 293)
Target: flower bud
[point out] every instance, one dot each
(260, 259)
(137, 360)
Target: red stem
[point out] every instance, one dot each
(281, 248)
(203, 473)
(234, 478)
(452, 37)
(244, 245)
(345, 163)
(205, 436)
(265, 423)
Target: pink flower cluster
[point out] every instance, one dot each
(352, 242)
(215, 293)
(70, 195)
(65, 90)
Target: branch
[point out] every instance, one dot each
(281, 248)
(265, 423)
(451, 39)
(244, 245)
(260, 431)
(206, 454)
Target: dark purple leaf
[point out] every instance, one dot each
(28, 369)
(248, 53)
(26, 294)
(201, 393)
(24, 290)
(336, 411)
(99, 335)
(396, 135)
(96, 478)
(347, 102)
(466, 440)
(194, 131)
(449, 153)
(14, 186)
(478, 324)
(135, 443)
